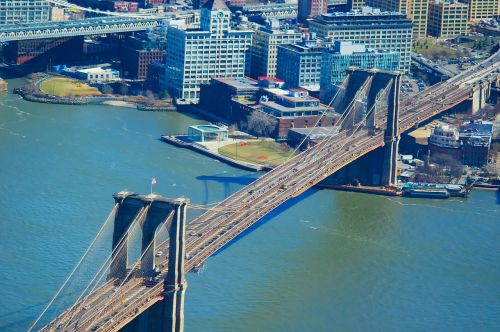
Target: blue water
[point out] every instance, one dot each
(326, 261)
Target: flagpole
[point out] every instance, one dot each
(153, 181)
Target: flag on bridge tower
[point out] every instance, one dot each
(153, 181)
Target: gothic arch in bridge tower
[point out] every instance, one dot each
(371, 98)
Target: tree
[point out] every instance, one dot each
(149, 94)
(453, 166)
(164, 94)
(106, 89)
(233, 127)
(261, 124)
(123, 89)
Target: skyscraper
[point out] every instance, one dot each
(23, 11)
(415, 9)
(311, 8)
(195, 55)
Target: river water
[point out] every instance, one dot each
(326, 261)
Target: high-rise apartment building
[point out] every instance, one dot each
(415, 9)
(311, 8)
(265, 47)
(447, 18)
(195, 55)
(375, 29)
(482, 9)
(24, 11)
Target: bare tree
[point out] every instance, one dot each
(123, 89)
(451, 164)
(261, 124)
(106, 89)
(164, 94)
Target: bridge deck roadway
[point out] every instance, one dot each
(217, 227)
(91, 26)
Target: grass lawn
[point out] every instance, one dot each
(431, 50)
(256, 152)
(65, 87)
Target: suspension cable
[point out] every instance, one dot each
(114, 295)
(104, 266)
(113, 211)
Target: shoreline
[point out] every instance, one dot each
(171, 139)
(31, 92)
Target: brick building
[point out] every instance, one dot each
(135, 62)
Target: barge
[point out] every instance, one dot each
(433, 190)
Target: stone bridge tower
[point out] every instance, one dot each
(150, 213)
(369, 99)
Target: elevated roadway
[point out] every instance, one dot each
(432, 66)
(91, 26)
(213, 230)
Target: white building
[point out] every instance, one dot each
(445, 136)
(214, 49)
(98, 74)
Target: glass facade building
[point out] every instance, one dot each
(340, 57)
(378, 30)
(23, 11)
(194, 56)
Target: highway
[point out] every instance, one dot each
(211, 231)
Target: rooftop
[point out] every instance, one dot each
(208, 128)
(359, 17)
(284, 109)
(215, 5)
(238, 82)
(303, 48)
(95, 70)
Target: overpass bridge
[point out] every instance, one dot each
(431, 66)
(121, 300)
(92, 26)
(264, 11)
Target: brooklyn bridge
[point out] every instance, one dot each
(152, 288)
